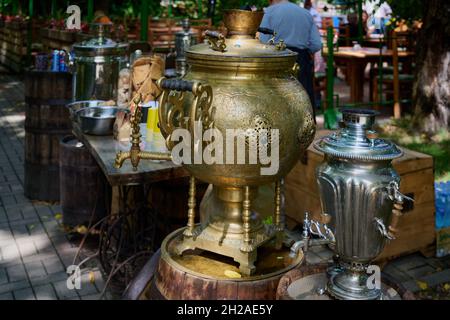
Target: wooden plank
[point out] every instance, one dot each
(227, 290)
(419, 185)
(195, 288)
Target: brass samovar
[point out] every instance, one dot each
(236, 83)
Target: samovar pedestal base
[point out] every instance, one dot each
(311, 281)
(348, 285)
(206, 239)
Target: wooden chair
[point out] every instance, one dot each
(320, 85)
(405, 41)
(162, 33)
(344, 36)
(393, 83)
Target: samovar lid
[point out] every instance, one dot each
(100, 44)
(240, 41)
(357, 140)
(186, 28)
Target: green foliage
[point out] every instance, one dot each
(407, 9)
(193, 9)
(403, 133)
(268, 220)
(402, 9)
(132, 8)
(236, 4)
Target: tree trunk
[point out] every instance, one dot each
(431, 92)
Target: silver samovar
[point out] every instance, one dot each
(183, 40)
(361, 203)
(97, 65)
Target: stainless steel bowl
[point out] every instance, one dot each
(78, 105)
(98, 121)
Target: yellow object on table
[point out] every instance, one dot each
(152, 117)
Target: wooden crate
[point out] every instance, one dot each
(417, 226)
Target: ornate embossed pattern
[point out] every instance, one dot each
(173, 114)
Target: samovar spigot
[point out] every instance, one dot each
(313, 227)
(136, 154)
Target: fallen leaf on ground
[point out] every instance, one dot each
(91, 277)
(422, 285)
(81, 229)
(232, 274)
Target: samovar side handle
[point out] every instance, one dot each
(200, 109)
(397, 212)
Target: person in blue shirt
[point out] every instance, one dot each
(294, 25)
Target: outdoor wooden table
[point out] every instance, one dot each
(374, 42)
(357, 60)
(134, 226)
(105, 148)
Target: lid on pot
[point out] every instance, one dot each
(186, 28)
(100, 44)
(357, 140)
(240, 42)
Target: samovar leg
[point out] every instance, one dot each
(247, 241)
(277, 219)
(247, 262)
(190, 229)
(248, 257)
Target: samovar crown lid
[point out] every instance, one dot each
(356, 139)
(99, 43)
(363, 118)
(239, 42)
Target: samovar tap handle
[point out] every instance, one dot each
(327, 235)
(306, 241)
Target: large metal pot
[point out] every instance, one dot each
(97, 65)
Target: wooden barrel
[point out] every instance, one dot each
(83, 186)
(169, 199)
(309, 270)
(174, 280)
(46, 122)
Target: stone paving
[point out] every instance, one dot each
(34, 250)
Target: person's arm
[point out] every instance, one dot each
(315, 42)
(265, 23)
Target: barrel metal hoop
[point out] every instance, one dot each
(49, 102)
(58, 131)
